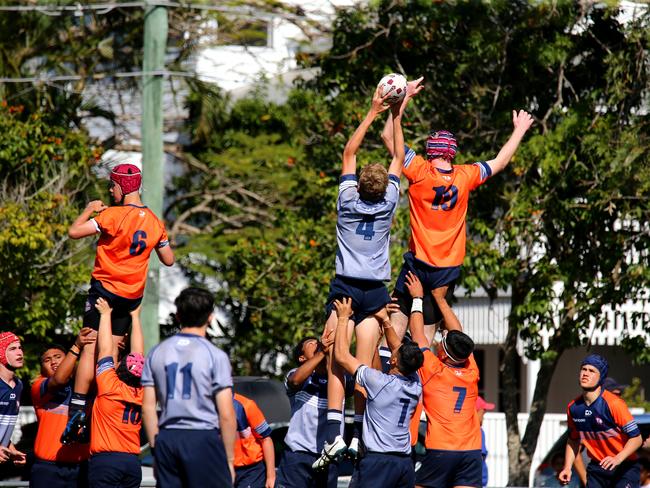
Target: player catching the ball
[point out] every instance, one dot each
(438, 200)
(129, 232)
(366, 206)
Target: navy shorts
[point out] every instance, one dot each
(626, 475)
(431, 278)
(450, 468)
(386, 470)
(111, 469)
(191, 458)
(368, 296)
(49, 474)
(251, 476)
(295, 471)
(122, 308)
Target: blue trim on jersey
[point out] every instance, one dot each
(43, 388)
(486, 171)
(445, 171)
(410, 154)
(136, 206)
(394, 178)
(104, 364)
(347, 177)
(264, 429)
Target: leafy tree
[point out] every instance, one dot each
(45, 172)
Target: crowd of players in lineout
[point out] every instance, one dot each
(202, 434)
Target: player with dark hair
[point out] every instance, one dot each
(129, 232)
(56, 465)
(365, 210)
(438, 200)
(306, 386)
(254, 454)
(193, 440)
(11, 359)
(391, 402)
(449, 393)
(602, 423)
(117, 410)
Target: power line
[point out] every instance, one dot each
(103, 76)
(104, 8)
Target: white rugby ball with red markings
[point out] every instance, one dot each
(393, 85)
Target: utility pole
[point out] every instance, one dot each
(155, 43)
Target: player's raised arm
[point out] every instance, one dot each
(66, 368)
(342, 342)
(104, 335)
(398, 153)
(350, 151)
(416, 319)
(412, 88)
(521, 122)
(449, 318)
(137, 337)
(84, 226)
(392, 339)
(304, 371)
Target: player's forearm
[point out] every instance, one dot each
(387, 135)
(305, 370)
(73, 230)
(570, 453)
(416, 326)
(342, 347)
(355, 141)
(631, 446)
(228, 425)
(269, 458)
(104, 336)
(507, 151)
(450, 320)
(392, 339)
(137, 337)
(398, 147)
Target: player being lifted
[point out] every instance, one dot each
(449, 392)
(365, 213)
(129, 232)
(438, 200)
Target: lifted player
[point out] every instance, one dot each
(438, 200)
(129, 232)
(365, 213)
(601, 421)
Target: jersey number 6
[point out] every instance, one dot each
(138, 243)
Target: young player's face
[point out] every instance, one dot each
(589, 376)
(50, 361)
(309, 348)
(115, 191)
(15, 355)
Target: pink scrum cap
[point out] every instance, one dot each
(135, 364)
(6, 338)
(441, 144)
(128, 177)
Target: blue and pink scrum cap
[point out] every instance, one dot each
(598, 362)
(441, 144)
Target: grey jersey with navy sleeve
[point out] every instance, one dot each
(308, 414)
(187, 371)
(9, 409)
(391, 401)
(363, 231)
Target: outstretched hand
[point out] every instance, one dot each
(379, 104)
(414, 87)
(522, 120)
(103, 307)
(343, 307)
(414, 285)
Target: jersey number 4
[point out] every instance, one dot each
(366, 227)
(138, 243)
(186, 387)
(445, 197)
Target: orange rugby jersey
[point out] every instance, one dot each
(438, 202)
(449, 397)
(117, 413)
(603, 427)
(251, 429)
(128, 235)
(52, 414)
(414, 426)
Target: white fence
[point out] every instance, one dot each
(496, 439)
